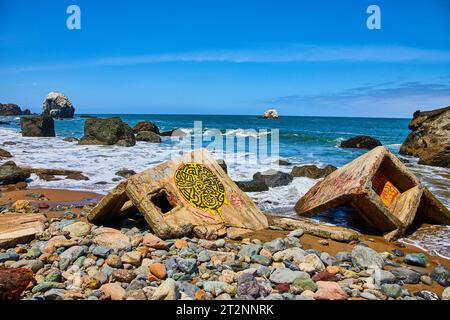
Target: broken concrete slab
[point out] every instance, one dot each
(179, 195)
(383, 190)
(315, 228)
(19, 228)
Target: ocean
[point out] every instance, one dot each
(302, 140)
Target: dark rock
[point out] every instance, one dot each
(273, 178)
(10, 173)
(77, 176)
(361, 142)
(252, 186)
(187, 265)
(125, 173)
(148, 136)
(343, 256)
(312, 171)
(283, 163)
(223, 165)
(71, 139)
(416, 259)
(111, 131)
(37, 126)
(146, 126)
(430, 137)
(10, 109)
(441, 275)
(248, 286)
(398, 253)
(406, 275)
(173, 133)
(57, 105)
(5, 154)
(427, 295)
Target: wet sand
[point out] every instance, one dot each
(62, 197)
(72, 197)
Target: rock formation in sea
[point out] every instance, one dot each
(37, 126)
(148, 136)
(111, 131)
(11, 109)
(173, 133)
(5, 154)
(270, 114)
(430, 137)
(361, 142)
(57, 105)
(312, 171)
(146, 126)
(10, 173)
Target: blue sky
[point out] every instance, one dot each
(312, 58)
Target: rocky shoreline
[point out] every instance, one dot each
(73, 259)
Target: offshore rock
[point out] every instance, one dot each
(57, 105)
(430, 137)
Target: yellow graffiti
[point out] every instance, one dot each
(200, 187)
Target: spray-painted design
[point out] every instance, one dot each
(200, 187)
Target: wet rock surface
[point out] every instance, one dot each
(430, 137)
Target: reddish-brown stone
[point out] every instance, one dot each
(13, 281)
(282, 287)
(325, 276)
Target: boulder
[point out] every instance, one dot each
(430, 138)
(57, 105)
(252, 186)
(270, 114)
(273, 178)
(10, 173)
(148, 136)
(125, 173)
(312, 171)
(5, 154)
(37, 126)
(173, 133)
(365, 257)
(13, 282)
(111, 131)
(146, 126)
(10, 109)
(361, 142)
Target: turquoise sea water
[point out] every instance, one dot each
(302, 140)
(307, 138)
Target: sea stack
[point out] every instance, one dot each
(37, 126)
(57, 105)
(430, 137)
(270, 114)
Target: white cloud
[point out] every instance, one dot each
(280, 54)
